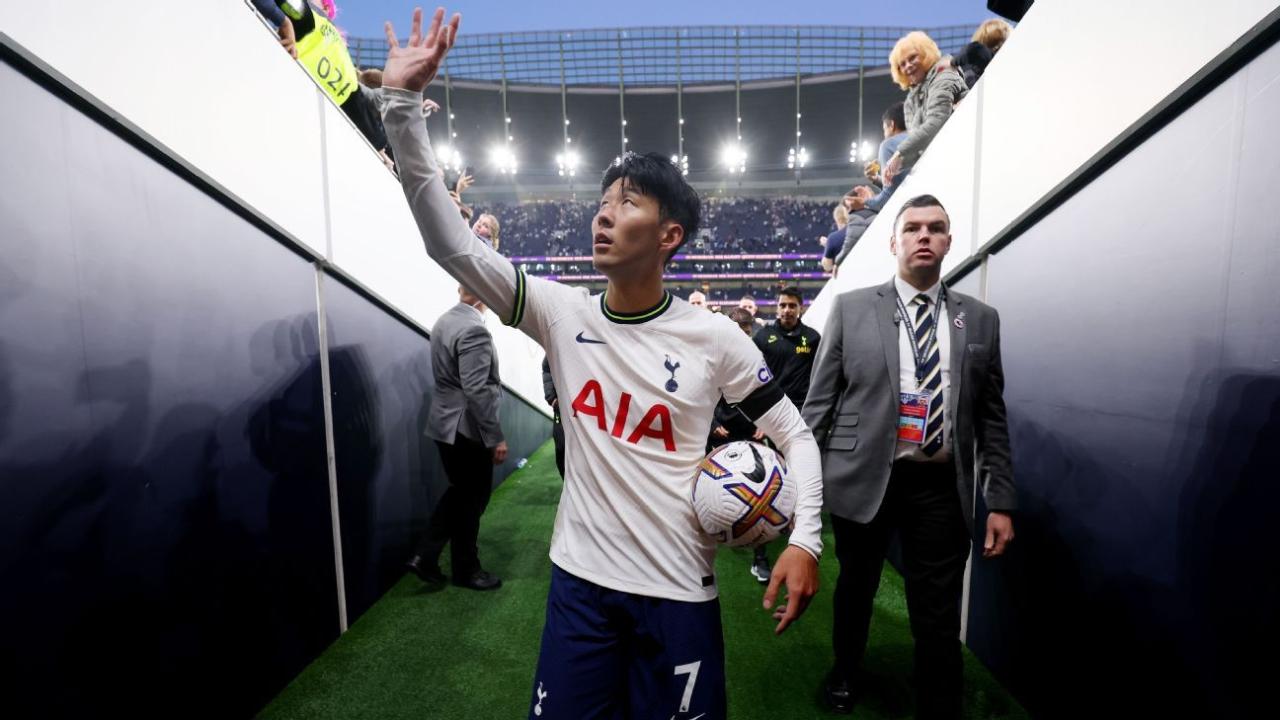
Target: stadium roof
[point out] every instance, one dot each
(667, 56)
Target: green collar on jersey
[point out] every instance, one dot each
(634, 318)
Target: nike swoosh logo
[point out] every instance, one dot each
(673, 717)
(593, 342)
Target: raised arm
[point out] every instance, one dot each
(448, 239)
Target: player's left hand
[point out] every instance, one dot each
(799, 570)
(413, 66)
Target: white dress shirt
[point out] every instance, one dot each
(907, 366)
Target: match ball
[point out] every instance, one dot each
(742, 495)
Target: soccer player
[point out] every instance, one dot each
(632, 623)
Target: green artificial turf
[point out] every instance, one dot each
(456, 653)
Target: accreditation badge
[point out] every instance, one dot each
(913, 416)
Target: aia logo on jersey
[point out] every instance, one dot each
(656, 422)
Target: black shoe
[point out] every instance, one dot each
(839, 693)
(427, 572)
(479, 580)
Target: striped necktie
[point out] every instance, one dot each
(932, 373)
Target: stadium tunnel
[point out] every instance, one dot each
(214, 364)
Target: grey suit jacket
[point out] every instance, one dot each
(852, 406)
(468, 389)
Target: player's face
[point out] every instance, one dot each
(628, 231)
(922, 239)
(748, 304)
(788, 311)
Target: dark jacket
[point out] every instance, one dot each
(789, 355)
(549, 386)
(972, 61)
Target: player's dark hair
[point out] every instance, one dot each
(653, 175)
(792, 291)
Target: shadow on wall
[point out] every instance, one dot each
(150, 564)
(1229, 509)
(358, 456)
(1085, 616)
(6, 393)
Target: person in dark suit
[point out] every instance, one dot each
(464, 423)
(557, 426)
(906, 393)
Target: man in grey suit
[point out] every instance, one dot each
(906, 392)
(464, 423)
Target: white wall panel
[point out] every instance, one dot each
(374, 237)
(1077, 73)
(211, 85)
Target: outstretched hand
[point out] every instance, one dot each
(414, 66)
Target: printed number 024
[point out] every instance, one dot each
(324, 68)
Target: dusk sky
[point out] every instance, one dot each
(364, 18)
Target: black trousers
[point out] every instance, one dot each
(456, 520)
(557, 434)
(922, 505)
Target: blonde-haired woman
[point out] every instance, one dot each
(932, 88)
(993, 33)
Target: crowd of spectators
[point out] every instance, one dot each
(732, 226)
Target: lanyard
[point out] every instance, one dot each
(918, 354)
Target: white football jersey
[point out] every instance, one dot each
(637, 397)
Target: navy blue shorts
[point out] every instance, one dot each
(611, 654)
